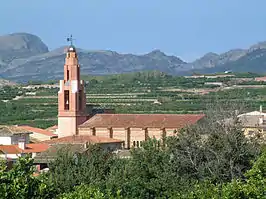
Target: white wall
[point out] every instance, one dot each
(66, 126)
(11, 156)
(39, 137)
(9, 140)
(5, 140)
(16, 156)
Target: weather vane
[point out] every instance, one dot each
(70, 39)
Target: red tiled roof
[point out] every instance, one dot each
(52, 128)
(81, 139)
(30, 148)
(142, 120)
(38, 130)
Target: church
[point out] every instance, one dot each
(76, 121)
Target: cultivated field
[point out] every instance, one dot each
(37, 104)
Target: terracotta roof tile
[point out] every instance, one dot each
(52, 128)
(38, 130)
(142, 120)
(30, 148)
(11, 130)
(81, 139)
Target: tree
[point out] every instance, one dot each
(215, 149)
(253, 187)
(72, 168)
(19, 182)
(147, 174)
(87, 192)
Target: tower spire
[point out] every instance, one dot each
(71, 96)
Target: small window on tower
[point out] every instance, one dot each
(78, 73)
(67, 74)
(66, 100)
(80, 99)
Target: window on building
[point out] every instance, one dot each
(134, 143)
(67, 75)
(78, 74)
(94, 131)
(66, 100)
(80, 99)
(137, 143)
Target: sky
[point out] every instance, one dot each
(184, 28)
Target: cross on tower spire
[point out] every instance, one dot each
(70, 39)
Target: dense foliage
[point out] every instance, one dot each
(20, 183)
(208, 160)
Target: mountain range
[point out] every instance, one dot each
(24, 57)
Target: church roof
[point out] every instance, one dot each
(142, 120)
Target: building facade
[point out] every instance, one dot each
(131, 129)
(254, 124)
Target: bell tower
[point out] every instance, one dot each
(71, 96)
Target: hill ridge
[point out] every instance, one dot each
(24, 56)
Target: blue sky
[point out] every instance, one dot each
(185, 28)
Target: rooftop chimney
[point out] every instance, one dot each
(22, 143)
(260, 108)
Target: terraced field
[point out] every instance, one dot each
(37, 105)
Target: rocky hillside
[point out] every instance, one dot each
(49, 65)
(253, 61)
(19, 45)
(25, 57)
(212, 59)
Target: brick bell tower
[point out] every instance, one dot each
(71, 96)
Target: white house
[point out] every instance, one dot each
(12, 152)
